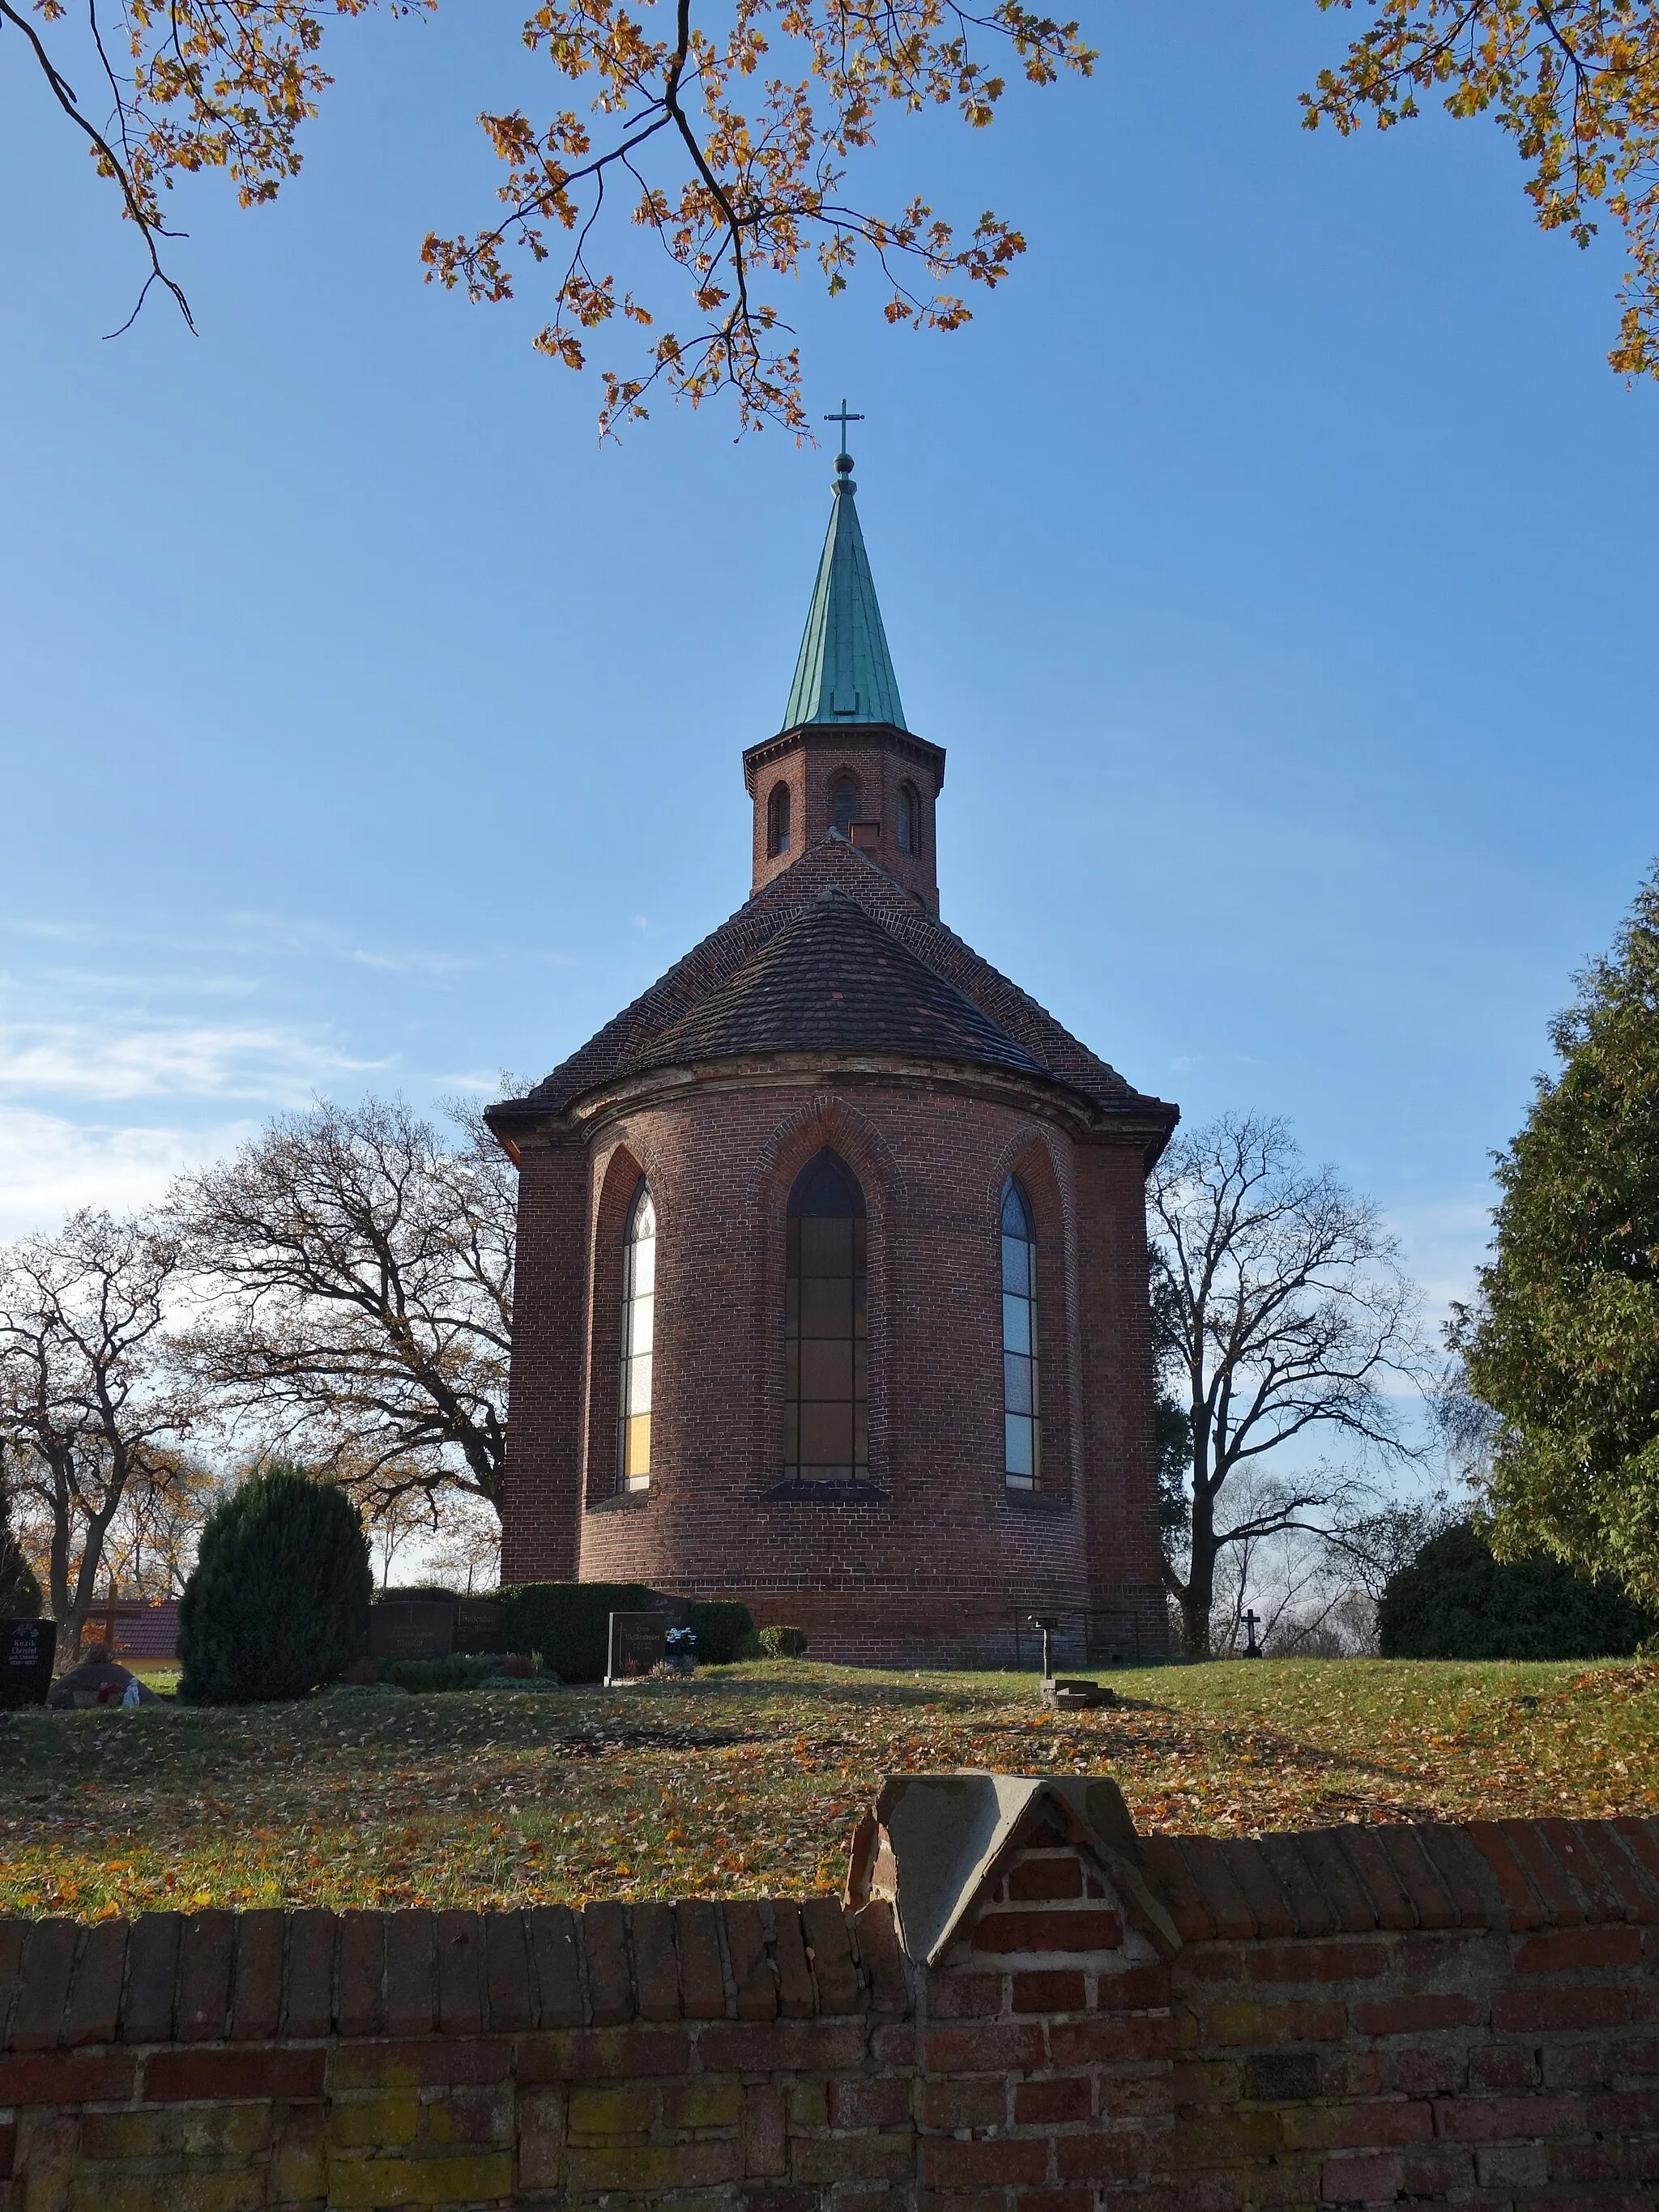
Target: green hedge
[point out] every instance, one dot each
(722, 1627)
(1457, 1601)
(778, 1642)
(568, 1622)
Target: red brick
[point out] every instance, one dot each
(207, 1949)
(557, 1965)
(1562, 1906)
(8, 2148)
(1268, 1906)
(1132, 1989)
(1359, 2180)
(1566, 1950)
(37, 2015)
(752, 1971)
(1491, 2119)
(948, 2164)
(702, 1983)
(1171, 1881)
(829, 1944)
(459, 1942)
(1066, 2099)
(152, 1974)
(1213, 1877)
(1102, 2041)
(1418, 1876)
(308, 1987)
(656, 1969)
(796, 1999)
(1035, 1879)
(1418, 2014)
(66, 2078)
(986, 2050)
(979, 2101)
(173, 2077)
(961, 1996)
(1525, 2011)
(1370, 1866)
(425, 2063)
(509, 2000)
(1290, 1867)
(609, 1984)
(1310, 1961)
(1062, 1990)
(1092, 2157)
(1566, 1839)
(1468, 1878)
(1087, 1929)
(869, 2102)
(1503, 2066)
(94, 2004)
(766, 2145)
(879, 1953)
(1636, 1896)
(256, 2004)
(360, 2003)
(807, 2046)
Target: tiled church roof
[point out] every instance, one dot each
(831, 956)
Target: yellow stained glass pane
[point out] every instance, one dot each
(637, 1446)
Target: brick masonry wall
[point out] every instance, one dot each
(1434, 2016)
(942, 1558)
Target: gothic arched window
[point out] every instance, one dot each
(844, 803)
(909, 820)
(1022, 1415)
(826, 1411)
(777, 821)
(638, 1334)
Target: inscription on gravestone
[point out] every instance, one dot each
(480, 1625)
(27, 1649)
(639, 1642)
(411, 1628)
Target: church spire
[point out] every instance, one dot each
(844, 672)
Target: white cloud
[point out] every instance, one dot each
(49, 1166)
(82, 1060)
(414, 963)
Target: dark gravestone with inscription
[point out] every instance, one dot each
(27, 1649)
(411, 1628)
(480, 1625)
(639, 1642)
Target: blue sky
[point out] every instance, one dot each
(1273, 556)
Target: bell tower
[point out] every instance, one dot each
(844, 759)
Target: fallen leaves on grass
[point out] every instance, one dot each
(747, 1780)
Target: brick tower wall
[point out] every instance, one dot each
(946, 1558)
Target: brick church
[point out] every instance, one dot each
(832, 1266)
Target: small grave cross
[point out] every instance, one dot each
(1251, 1650)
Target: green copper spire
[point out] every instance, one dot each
(845, 673)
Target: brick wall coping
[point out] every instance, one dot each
(267, 1975)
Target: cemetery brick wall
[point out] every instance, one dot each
(1440, 2016)
(941, 1564)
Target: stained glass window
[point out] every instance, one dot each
(638, 1334)
(1022, 1411)
(826, 1409)
(777, 821)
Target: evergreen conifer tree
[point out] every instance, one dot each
(1563, 1340)
(19, 1592)
(279, 1600)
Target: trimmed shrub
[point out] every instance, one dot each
(425, 1593)
(777, 1642)
(567, 1623)
(20, 1591)
(461, 1670)
(721, 1626)
(1457, 1601)
(279, 1600)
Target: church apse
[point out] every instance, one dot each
(901, 1396)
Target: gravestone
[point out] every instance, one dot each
(27, 1649)
(411, 1628)
(480, 1625)
(639, 1642)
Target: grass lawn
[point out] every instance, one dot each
(747, 1780)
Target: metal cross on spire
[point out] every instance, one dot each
(844, 418)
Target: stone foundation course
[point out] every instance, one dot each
(1358, 2016)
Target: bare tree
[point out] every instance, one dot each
(1288, 1314)
(92, 1410)
(356, 1277)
